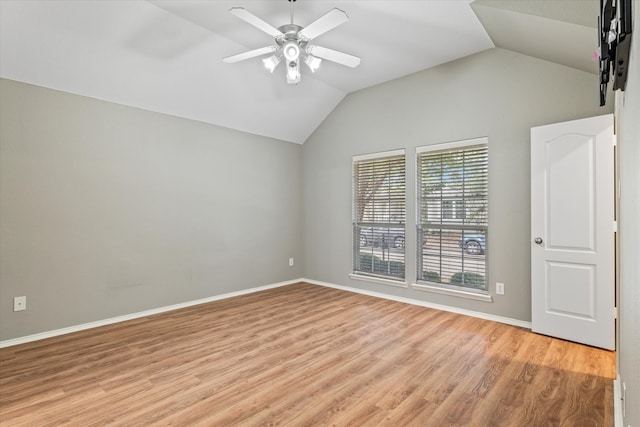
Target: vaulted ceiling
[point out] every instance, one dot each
(165, 55)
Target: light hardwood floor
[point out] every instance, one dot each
(306, 355)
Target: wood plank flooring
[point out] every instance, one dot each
(306, 355)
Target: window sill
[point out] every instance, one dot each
(452, 292)
(378, 280)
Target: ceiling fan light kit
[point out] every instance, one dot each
(292, 43)
(293, 72)
(291, 51)
(312, 62)
(271, 62)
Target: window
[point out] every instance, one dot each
(453, 209)
(452, 214)
(379, 215)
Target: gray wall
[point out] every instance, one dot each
(496, 93)
(108, 210)
(628, 130)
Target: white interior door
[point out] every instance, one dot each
(572, 231)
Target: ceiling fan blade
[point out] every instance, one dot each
(249, 54)
(250, 18)
(334, 55)
(326, 22)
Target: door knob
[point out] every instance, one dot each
(538, 240)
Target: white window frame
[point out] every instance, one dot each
(385, 251)
(449, 224)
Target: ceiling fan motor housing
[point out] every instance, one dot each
(290, 33)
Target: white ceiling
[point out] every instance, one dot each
(165, 55)
(561, 31)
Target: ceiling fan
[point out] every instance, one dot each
(293, 43)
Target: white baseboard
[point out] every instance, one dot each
(617, 402)
(478, 314)
(98, 323)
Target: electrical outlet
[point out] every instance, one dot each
(499, 288)
(290, 262)
(19, 303)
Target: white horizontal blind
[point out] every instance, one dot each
(379, 215)
(453, 215)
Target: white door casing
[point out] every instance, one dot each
(572, 234)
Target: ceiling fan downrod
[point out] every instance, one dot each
(291, 2)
